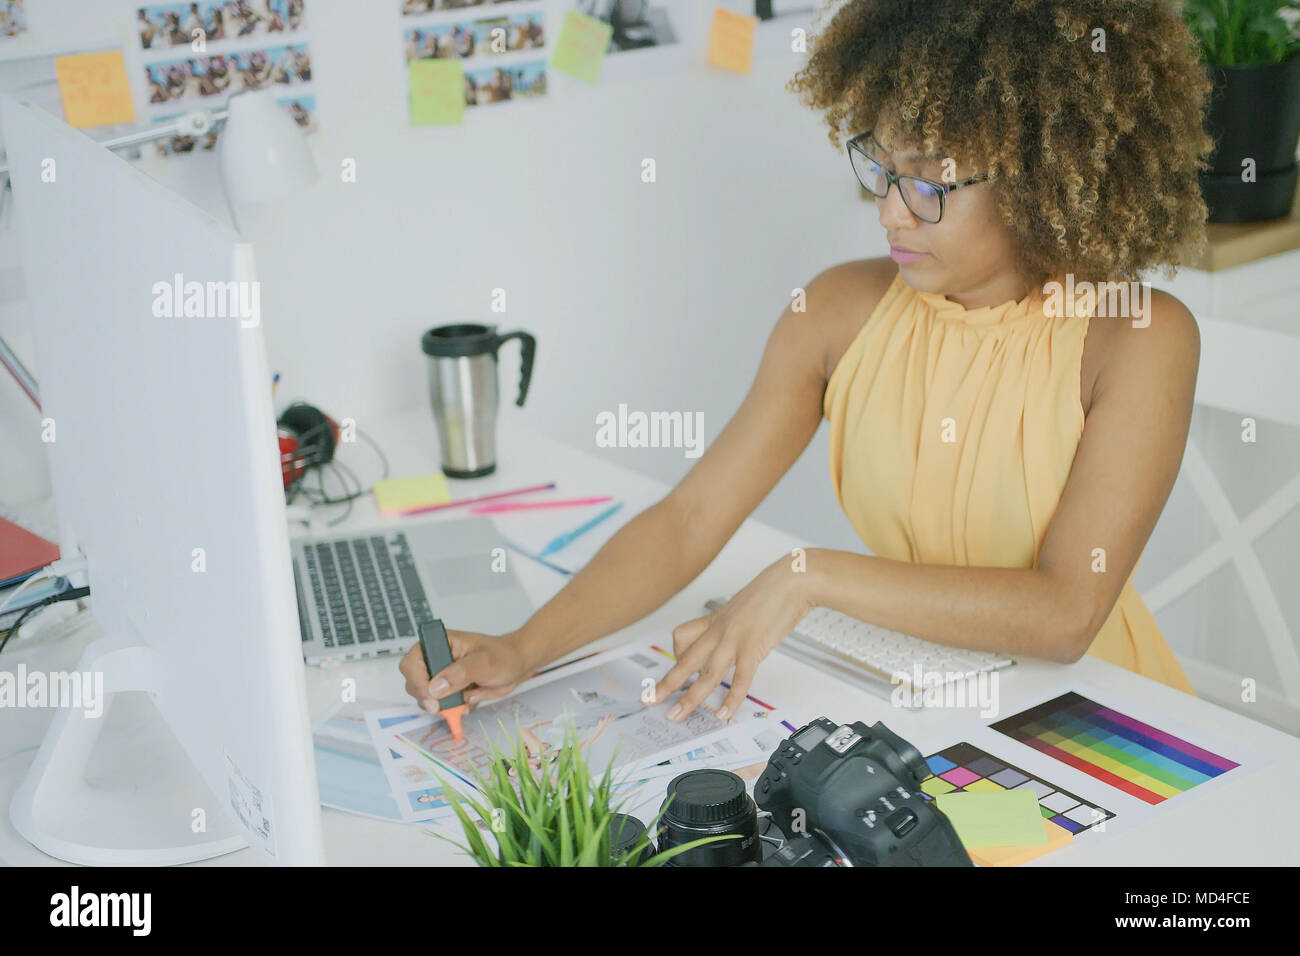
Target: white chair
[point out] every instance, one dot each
(1252, 372)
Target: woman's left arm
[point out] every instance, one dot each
(1124, 468)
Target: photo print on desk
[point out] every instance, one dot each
(196, 55)
(501, 48)
(13, 18)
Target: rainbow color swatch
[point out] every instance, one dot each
(1144, 762)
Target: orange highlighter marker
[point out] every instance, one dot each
(437, 655)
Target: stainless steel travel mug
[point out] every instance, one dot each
(464, 395)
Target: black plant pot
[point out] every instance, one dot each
(1254, 114)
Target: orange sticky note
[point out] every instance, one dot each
(95, 89)
(731, 40)
(1057, 837)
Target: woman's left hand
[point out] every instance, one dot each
(738, 635)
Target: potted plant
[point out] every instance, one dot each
(1251, 49)
(552, 812)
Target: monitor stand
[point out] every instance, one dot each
(118, 789)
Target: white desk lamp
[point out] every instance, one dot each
(264, 156)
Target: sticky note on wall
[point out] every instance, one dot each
(94, 89)
(437, 92)
(582, 46)
(731, 40)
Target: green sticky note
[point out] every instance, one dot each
(994, 817)
(582, 46)
(437, 92)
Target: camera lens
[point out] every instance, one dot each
(707, 803)
(624, 831)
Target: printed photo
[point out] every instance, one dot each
(495, 36)
(498, 84)
(178, 24)
(415, 7)
(638, 24)
(227, 73)
(13, 19)
(301, 108)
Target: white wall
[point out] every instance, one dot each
(657, 295)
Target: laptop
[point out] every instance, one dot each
(365, 594)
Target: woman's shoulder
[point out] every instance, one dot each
(842, 298)
(1159, 334)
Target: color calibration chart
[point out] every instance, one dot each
(965, 768)
(1116, 749)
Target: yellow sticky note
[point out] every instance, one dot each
(437, 92)
(95, 89)
(395, 495)
(731, 40)
(582, 46)
(1057, 837)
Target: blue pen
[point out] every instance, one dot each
(564, 539)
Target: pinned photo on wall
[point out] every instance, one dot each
(225, 73)
(13, 19)
(496, 55)
(500, 84)
(489, 37)
(301, 108)
(194, 56)
(183, 24)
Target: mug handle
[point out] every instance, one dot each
(527, 350)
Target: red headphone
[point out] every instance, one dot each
(307, 437)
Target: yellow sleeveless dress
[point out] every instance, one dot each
(979, 490)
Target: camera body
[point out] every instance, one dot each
(850, 795)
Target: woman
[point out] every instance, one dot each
(1005, 463)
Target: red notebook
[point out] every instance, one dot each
(22, 552)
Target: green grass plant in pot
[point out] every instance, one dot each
(1251, 49)
(551, 811)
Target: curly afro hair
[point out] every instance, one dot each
(1092, 140)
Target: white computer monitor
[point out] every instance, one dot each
(166, 478)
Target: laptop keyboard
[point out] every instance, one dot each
(366, 590)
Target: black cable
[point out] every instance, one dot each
(318, 495)
(72, 594)
(339, 471)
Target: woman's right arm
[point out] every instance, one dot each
(663, 549)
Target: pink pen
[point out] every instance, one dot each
(538, 505)
(469, 501)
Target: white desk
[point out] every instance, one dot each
(1245, 819)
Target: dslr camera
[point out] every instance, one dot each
(850, 795)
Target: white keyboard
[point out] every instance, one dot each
(872, 657)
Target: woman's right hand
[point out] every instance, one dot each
(483, 667)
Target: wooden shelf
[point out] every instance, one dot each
(1235, 244)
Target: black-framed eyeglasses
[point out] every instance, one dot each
(924, 197)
